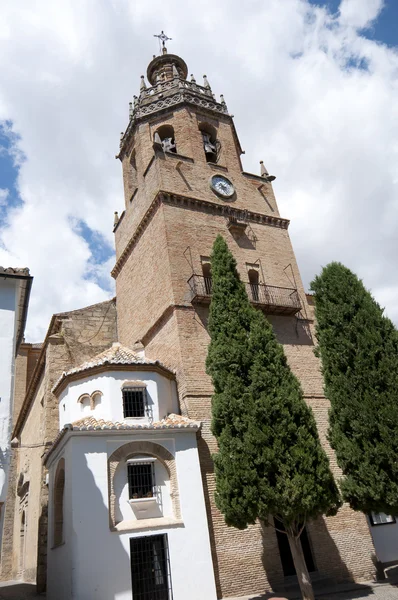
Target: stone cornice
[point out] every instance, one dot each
(225, 210)
(169, 94)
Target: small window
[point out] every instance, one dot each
(134, 402)
(96, 399)
(381, 518)
(206, 270)
(141, 479)
(254, 278)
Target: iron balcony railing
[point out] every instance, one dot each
(272, 299)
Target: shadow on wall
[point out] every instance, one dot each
(41, 575)
(291, 330)
(207, 470)
(91, 551)
(17, 591)
(330, 568)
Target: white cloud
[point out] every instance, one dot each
(312, 97)
(360, 13)
(4, 193)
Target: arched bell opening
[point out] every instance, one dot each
(165, 136)
(211, 144)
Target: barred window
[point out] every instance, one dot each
(141, 478)
(150, 568)
(381, 518)
(134, 401)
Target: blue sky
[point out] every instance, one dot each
(385, 29)
(8, 168)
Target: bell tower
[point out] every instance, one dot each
(183, 185)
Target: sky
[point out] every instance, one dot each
(313, 87)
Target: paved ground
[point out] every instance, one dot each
(15, 590)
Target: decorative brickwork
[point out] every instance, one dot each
(147, 448)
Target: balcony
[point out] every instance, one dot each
(271, 299)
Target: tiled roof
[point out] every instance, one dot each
(115, 355)
(14, 270)
(171, 422)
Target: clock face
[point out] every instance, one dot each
(222, 186)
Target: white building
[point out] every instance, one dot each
(126, 503)
(15, 285)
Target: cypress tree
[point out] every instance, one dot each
(270, 460)
(358, 346)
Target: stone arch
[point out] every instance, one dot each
(95, 399)
(58, 503)
(147, 448)
(211, 144)
(164, 136)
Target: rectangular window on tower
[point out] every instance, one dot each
(134, 402)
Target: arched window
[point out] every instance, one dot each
(165, 136)
(211, 145)
(58, 504)
(254, 279)
(95, 399)
(206, 270)
(85, 402)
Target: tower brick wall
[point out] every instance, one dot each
(169, 225)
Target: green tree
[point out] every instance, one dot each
(358, 346)
(270, 459)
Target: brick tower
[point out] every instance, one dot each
(183, 185)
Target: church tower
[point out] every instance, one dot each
(184, 184)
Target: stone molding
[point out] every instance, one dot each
(214, 208)
(153, 100)
(148, 448)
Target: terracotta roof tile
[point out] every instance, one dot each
(14, 270)
(115, 355)
(170, 422)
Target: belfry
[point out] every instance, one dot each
(111, 490)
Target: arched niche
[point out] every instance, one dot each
(140, 448)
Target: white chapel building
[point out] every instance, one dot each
(126, 504)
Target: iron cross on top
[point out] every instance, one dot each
(162, 38)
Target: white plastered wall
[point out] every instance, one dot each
(8, 311)
(99, 558)
(385, 539)
(161, 396)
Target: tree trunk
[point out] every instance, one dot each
(301, 568)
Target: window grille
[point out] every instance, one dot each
(141, 479)
(150, 568)
(381, 518)
(134, 402)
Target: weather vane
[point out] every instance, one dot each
(162, 37)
